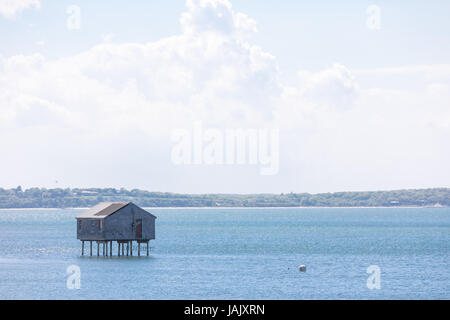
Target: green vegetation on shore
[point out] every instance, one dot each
(77, 198)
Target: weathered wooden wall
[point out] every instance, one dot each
(120, 225)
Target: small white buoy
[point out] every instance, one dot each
(302, 268)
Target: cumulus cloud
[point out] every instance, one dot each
(210, 73)
(335, 86)
(206, 73)
(10, 8)
(215, 16)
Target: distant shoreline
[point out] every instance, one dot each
(89, 197)
(218, 208)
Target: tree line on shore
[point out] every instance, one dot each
(88, 197)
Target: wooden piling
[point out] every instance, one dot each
(106, 249)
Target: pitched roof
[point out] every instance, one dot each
(103, 210)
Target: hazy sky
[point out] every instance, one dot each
(93, 92)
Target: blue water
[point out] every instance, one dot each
(236, 254)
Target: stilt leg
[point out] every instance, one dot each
(128, 247)
(118, 249)
(110, 248)
(90, 244)
(82, 248)
(131, 247)
(147, 248)
(98, 249)
(139, 249)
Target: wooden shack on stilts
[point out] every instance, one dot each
(120, 222)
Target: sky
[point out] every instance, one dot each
(341, 97)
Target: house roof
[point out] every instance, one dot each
(103, 210)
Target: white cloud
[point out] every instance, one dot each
(215, 16)
(335, 86)
(213, 76)
(10, 8)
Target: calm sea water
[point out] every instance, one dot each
(236, 254)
